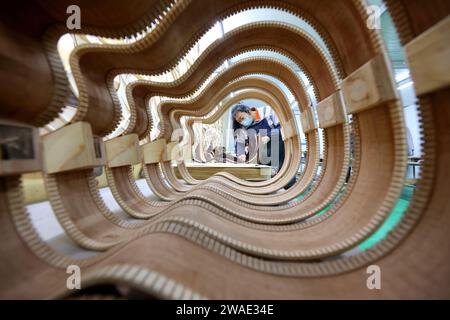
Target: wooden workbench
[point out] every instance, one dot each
(246, 171)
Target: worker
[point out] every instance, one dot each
(248, 125)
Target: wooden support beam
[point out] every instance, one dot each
(428, 57)
(153, 152)
(289, 129)
(20, 148)
(331, 111)
(123, 151)
(73, 147)
(307, 120)
(369, 86)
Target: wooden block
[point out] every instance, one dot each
(33, 187)
(369, 86)
(123, 151)
(289, 130)
(307, 120)
(429, 58)
(187, 151)
(73, 147)
(331, 111)
(20, 148)
(170, 151)
(153, 152)
(177, 151)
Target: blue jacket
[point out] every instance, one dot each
(261, 127)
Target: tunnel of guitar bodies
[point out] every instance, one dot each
(91, 129)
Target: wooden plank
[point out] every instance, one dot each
(154, 151)
(242, 171)
(331, 111)
(123, 151)
(33, 187)
(171, 151)
(307, 120)
(73, 147)
(20, 148)
(368, 86)
(289, 129)
(428, 57)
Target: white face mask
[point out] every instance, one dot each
(247, 121)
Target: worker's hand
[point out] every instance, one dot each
(265, 139)
(241, 158)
